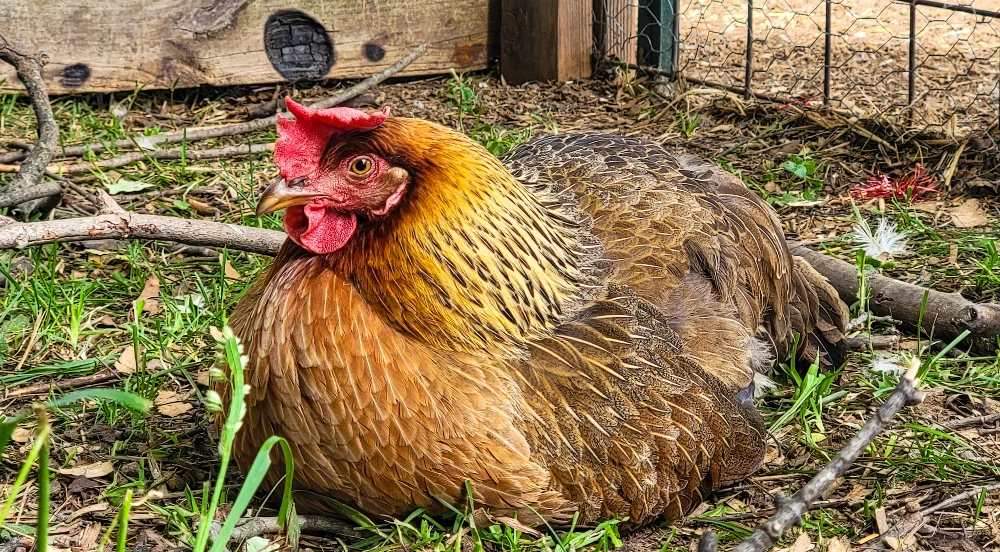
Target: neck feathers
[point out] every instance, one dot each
(471, 260)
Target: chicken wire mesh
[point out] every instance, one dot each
(929, 65)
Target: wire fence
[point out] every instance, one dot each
(928, 65)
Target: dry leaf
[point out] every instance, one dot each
(106, 321)
(215, 332)
(880, 521)
(89, 535)
(232, 274)
(171, 403)
(968, 215)
(21, 435)
(203, 378)
(857, 494)
(97, 469)
(150, 294)
(201, 207)
(838, 544)
(128, 360)
(518, 526)
(82, 483)
(802, 543)
(92, 509)
(926, 206)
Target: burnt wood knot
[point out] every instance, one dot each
(373, 52)
(297, 45)
(73, 76)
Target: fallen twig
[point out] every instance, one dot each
(973, 421)
(233, 129)
(256, 526)
(902, 532)
(789, 511)
(871, 343)
(132, 157)
(128, 225)
(191, 155)
(27, 185)
(44, 388)
(945, 315)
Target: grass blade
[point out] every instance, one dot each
(254, 478)
(22, 476)
(123, 522)
(123, 398)
(42, 528)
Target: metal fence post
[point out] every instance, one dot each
(658, 23)
(748, 76)
(826, 53)
(912, 66)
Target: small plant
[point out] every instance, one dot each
(812, 392)
(687, 122)
(805, 170)
(39, 452)
(495, 138)
(232, 356)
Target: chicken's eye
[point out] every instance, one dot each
(361, 166)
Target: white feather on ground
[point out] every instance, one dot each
(889, 364)
(886, 241)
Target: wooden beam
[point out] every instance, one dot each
(546, 40)
(96, 46)
(621, 29)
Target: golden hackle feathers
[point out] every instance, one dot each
(569, 328)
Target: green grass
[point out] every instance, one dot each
(78, 310)
(460, 94)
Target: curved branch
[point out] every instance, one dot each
(29, 71)
(128, 225)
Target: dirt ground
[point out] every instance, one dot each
(935, 451)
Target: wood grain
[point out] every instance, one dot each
(109, 46)
(621, 29)
(546, 40)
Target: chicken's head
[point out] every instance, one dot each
(324, 184)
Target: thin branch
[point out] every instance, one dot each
(233, 129)
(128, 225)
(190, 155)
(256, 526)
(871, 343)
(44, 388)
(974, 420)
(132, 157)
(903, 531)
(29, 71)
(789, 511)
(16, 195)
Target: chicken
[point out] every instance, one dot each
(574, 328)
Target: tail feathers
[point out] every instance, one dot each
(817, 314)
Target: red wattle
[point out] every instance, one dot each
(319, 230)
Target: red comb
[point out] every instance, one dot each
(302, 140)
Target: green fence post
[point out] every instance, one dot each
(658, 26)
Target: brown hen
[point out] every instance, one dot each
(575, 327)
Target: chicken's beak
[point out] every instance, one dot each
(279, 195)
